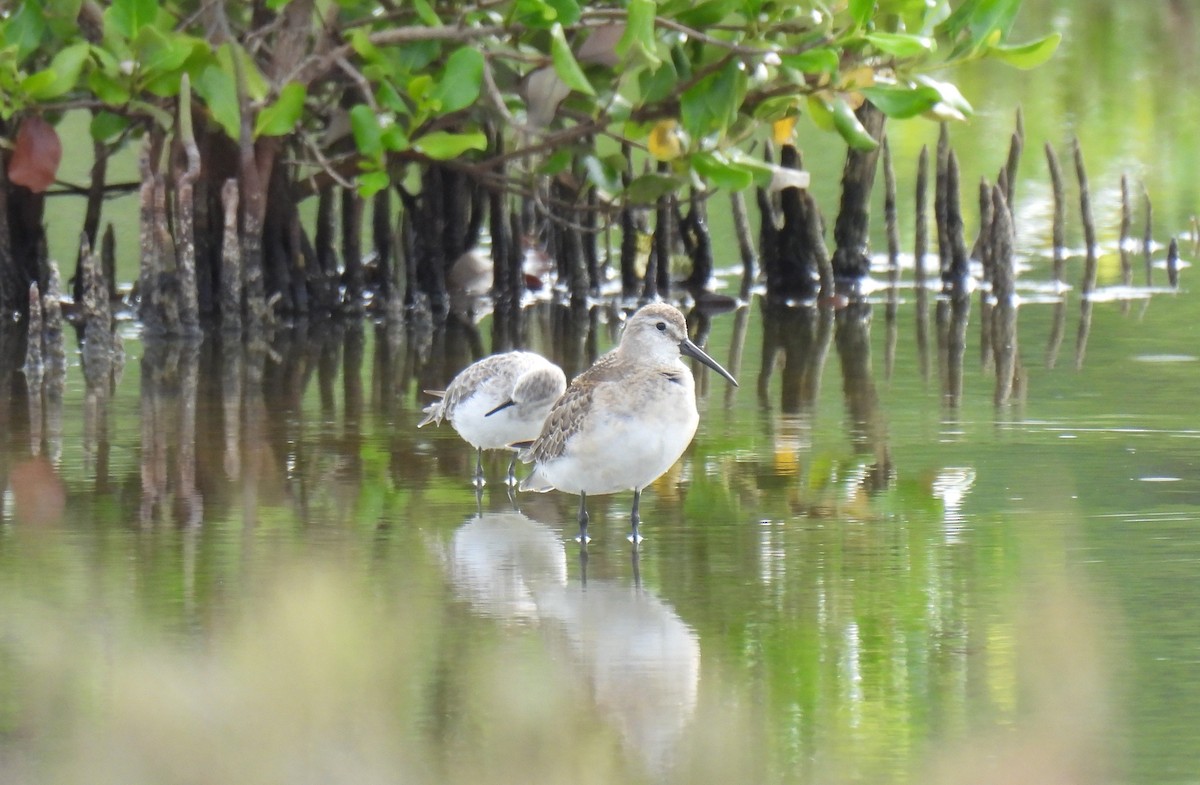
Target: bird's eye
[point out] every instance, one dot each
(662, 327)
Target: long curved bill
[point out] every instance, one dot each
(692, 350)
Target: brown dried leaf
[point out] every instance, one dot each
(36, 155)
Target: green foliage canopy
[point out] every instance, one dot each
(366, 87)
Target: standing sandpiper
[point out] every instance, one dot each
(626, 420)
(497, 401)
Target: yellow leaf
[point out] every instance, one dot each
(783, 130)
(666, 141)
(863, 76)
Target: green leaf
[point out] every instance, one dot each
(981, 21)
(161, 53)
(376, 72)
(951, 104)
(69, 64)
(61, 17)
(712, 104)
(107, 61)
(38, 83)
(565, 64)
(762, 172)
(694, 111)
(460, 82)
(25, 29)
(647, 188)
(639, 31)
(420, 88)
(814, 61)
(257, 88)
(360, 41)
(603, 173)
(861, 12)
(394, 139)
(444, 145)
(557, 162)
(902, 102)
(416, 56)
(277, 5)
(426, 13)
(280, 118)
(821, 112)
(109, 89)
(371, 183)
(541, 14)
(387, 96)
(128, 17)
(160, 116)
(850, 127)
(566, 11)
(215, 85)
(368, 134)
(656, 84)
(535, 13)
(772, 109)
(620, 109)
(721, 172)
(704, 14)
(681, 61)
(902, 44)
(66, 67)
(106, 126)
(1029, 55)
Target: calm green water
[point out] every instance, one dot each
(856, 574)
(245, 564)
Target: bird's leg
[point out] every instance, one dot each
(583, 520)
(479, 481)
(635, 518)
(512, 471)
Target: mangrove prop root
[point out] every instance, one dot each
(940, 199)
(891, 223)
(1058, 232)
(1089, 227)
(231, 261)
(741, 228)
(921, 220)
(851, 229)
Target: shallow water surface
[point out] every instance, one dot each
(246, 563)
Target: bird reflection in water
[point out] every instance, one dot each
(640, 660)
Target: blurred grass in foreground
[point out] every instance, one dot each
(319, 679)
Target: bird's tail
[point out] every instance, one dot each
(535, 482)
(433, 412)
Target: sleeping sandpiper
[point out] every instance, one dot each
(497, 401)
